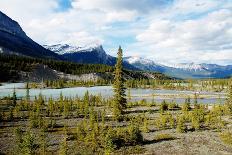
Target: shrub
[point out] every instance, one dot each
(145, 124)
(181, 126)
(172, 105)
(28, 145)
(163, 136)
(186, 107)
(163, 106)
(226, 137)
(214, 122)
(197, 116)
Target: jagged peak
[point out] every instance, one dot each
(138, 59)
(66, 48)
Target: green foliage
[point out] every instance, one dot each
(18, 132)
(27, 92)
(63, 150)
(181, 126)
(163, 106)
(226, 137)
(109, 138)
(28, 145)
(186, 105)
(14, 98)
(163, 137)
(12, 64)
(129, 94)
(145, 124)
(164, 121)
(214, 121)
(229, 99)
(43, 142)
(11, 115)
(119, 90)
(172, 105)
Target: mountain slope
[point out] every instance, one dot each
(86, 55)
(13, 40)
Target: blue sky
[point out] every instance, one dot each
(166, 31)
(64, 5)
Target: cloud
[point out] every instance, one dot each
(194, 6)
(120, 5)
(190, 40)
(167, 31)
(25, 10)
(44, 23)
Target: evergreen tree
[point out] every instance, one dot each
(43, 142)
(119, 90)
(229, 99)
(14, 97)
(153, 99)
(129, 94)
(63, 144)
(27, 92)
(195, 99)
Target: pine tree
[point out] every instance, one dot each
(195, 99)
(119, 90)
(181, 126)
(27, 92)
(229, 99)
(43, 142)
(14, 97)
(129, 94)
(153, 99)
(63, 150)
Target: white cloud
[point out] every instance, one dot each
(41, 21)
(190, 40)
(178, 31)
(120, 16)
(194, 6)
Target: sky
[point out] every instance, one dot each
(166, 31)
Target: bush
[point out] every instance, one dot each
(163, 136)
(226, 137)
(28, 145)
(186, 107)
(108, 138)
(163, 106)
(172, 105)
(181, 126)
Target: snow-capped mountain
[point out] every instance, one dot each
(14, 40)
(189, 66)
(182, 70)
(65, 48)
(93, 54)
(136, 59)
(144, 64)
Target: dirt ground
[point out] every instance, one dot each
(204, 142)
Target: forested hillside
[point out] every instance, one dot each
(12, 66)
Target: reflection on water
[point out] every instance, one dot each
(106, 91)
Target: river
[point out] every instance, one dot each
(6, 89)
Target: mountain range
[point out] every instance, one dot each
(13, 40)
(183, 70)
